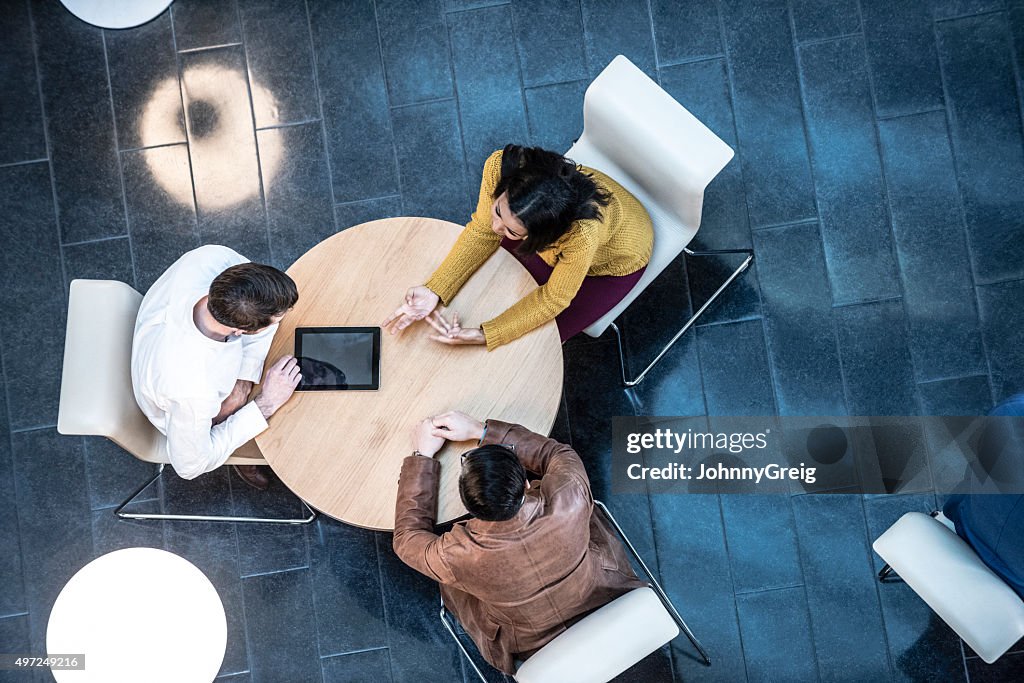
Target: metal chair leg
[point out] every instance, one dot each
(883, 575)
(654, 583)
(689, 323)
(451, 630)
(119, 511)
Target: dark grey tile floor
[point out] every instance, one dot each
(879, 177)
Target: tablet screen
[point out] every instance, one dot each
(338, 358)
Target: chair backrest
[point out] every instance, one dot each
(96, 396)
(950, 577)
(650, 144)
(604, 643)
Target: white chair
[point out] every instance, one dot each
(607, 641)
(96, 396)
(950, 577)
(636, 133)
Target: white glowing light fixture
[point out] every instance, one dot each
(139, 614)
(116, 13)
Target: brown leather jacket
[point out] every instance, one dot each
(515, 585)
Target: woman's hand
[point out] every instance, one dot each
(452, 332)
(419, 303)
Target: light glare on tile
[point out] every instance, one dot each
(208, 85)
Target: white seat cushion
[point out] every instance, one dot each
(604, 643)
(96, 394)
(950, 577)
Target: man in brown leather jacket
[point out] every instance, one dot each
(536, 555)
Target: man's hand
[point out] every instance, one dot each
(419, 302)
(424, 440)
(456, 426)
(279, 384)
(453, 332)
(238, 397)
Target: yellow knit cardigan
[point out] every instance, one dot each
(618, 244)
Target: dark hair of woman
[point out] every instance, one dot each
(547, 193)
(247, 296)
(493, 483)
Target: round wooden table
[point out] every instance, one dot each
(342, 451)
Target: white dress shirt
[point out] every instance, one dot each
(181, 376)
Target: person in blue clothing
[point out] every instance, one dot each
(993, 525)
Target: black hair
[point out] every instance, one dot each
(547, 193)
(247, 296)
(492, 483)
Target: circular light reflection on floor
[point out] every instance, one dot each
(209, 89)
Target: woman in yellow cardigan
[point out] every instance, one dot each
(584, 238)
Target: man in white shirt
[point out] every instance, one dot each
(201, 337)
